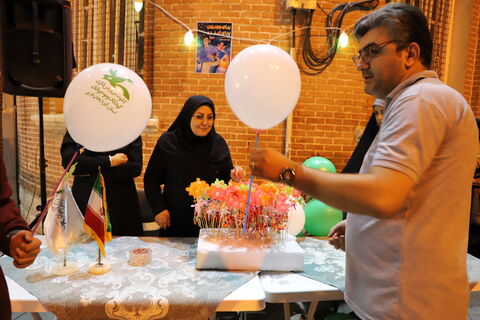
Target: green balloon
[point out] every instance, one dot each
(301, 233)
(340, 316)
(320, 163)
(320, 218)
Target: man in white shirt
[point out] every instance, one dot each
(406, 231)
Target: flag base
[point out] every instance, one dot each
(63, 270)
(97, 269)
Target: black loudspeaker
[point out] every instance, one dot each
(36, 47)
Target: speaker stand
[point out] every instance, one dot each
(42, 165)
(43, 162)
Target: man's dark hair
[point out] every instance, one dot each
(405, 23)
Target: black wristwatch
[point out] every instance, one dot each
(287, 175)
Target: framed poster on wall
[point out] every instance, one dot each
(214, 47)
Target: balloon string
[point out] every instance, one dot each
(44, 211)
(257, 133)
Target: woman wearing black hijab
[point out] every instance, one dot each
(189, 149)
(119, 168)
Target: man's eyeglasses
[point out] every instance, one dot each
(370, 52)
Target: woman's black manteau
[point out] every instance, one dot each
(122, 199)
(179, 158)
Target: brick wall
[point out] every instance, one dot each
(472, 74)
(332, 105)
(331, 109)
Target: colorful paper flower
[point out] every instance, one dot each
(219, 205)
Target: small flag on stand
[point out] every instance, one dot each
(64, 222)
(75, 231)
(55, 225)
(97, 224)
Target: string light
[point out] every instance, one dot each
(138, 5)
(275, 38)
(343, 40)
(188, 38)
(334, 34)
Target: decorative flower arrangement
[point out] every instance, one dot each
(219, 206)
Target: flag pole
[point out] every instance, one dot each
(44, 211)
(99, 267)
(96, 210)
(99, 260)
(66, 268)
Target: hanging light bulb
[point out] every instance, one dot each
(343, 40)
(188, 39)
(138, 5)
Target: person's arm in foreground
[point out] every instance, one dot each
(24, 248)
(336, 236)
(16, 240)
(380, 193)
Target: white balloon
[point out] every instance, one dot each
(296, 220)
(262, 85)
(106, 107)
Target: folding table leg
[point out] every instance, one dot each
(35, 316)
(243, 316)
(286, 310)
(311, 310)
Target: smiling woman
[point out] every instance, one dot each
(202, 121)
(190, 149)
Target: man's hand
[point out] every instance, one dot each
(267, 163)
(118, 159)
(163, 219)
(336, 236)
(24, 248)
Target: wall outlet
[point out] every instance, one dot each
(301, 4)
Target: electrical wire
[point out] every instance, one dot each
(315, 63)
(269, 41)
(294, 13)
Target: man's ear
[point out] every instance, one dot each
(413, 54)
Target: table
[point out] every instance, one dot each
(169, 286)
(22, 301)
(281, 287)
(323, 278)
(323, 266)
(274, 287)
(249, 297)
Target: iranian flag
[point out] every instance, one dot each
(97, 224)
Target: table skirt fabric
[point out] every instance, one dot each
(168, 288)
(323, 262)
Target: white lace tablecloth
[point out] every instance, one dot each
(326, 264)
(168, 288)
(323, 262)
